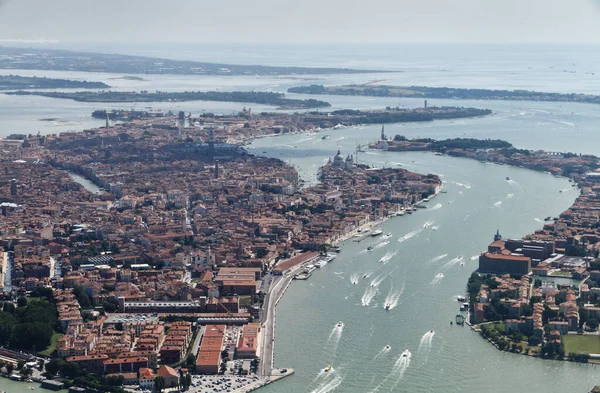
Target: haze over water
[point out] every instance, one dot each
(422, 267)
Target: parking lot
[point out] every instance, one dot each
(220, 383)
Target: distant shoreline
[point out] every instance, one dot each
(424, 92)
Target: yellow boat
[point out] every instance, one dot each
(328, 369)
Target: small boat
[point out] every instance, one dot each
(507, 178)
(377, 232)
(425, 199)
(387, 307)
(405, 353)
(325, 137)
(365, 275)
(450, 322)
(328, 369)
(431, 331)
(387, 347)
(369, 248)
(340, 324)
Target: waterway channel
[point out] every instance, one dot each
(424, 272)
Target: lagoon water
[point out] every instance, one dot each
(422, 272)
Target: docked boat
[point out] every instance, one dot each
(377, 232)
(320, 264)
(425, 199)
(460, 319)
(461, 298)
(400, 213)
(309, 269)
(464, 307)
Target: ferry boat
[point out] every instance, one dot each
(309, 269)
(377, 232)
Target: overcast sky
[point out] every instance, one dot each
(301, 20)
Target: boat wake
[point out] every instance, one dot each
(368, 296)
(400, 367)
(379, 279)
(435, 228)
(329, 385)
(428, 224)
(436, 280)
(452, 262)
(438, 258)
(426, 341)
(466, 186)
(509, 196)
(354, 278)
(436, 207)
(386, 258)
(497, 204)
(391, 301)
(386, 236)
(334, 337)
(474, 257)
(410, 235)
(382, 244)
(385, 350)
(538, 220)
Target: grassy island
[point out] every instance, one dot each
(15, 82)
(372, 90)
(265, 98)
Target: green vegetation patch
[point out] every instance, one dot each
(50, 349)
(575, 343)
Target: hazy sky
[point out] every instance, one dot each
(301, 20)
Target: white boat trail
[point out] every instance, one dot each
(438, 258)
(436, 280)
(368, 296)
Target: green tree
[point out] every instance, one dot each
(159, 384)
(21, 301)
(53, 366)
(7, 325)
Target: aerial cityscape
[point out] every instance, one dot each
(223, 207)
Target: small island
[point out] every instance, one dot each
(296, 122)
(372, 90)
(16, 82)
(265, 98)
